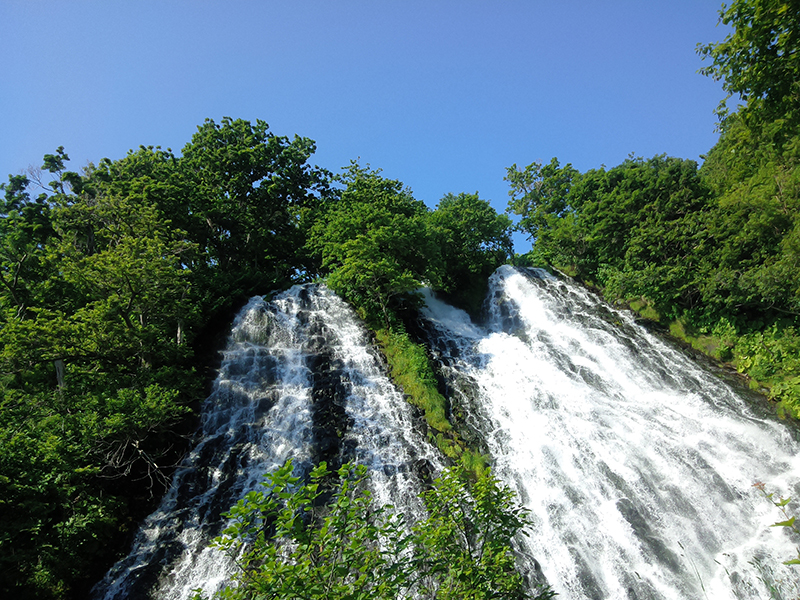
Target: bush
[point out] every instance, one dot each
(290, 543)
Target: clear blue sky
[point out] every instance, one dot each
(443, 95)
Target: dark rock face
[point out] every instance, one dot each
(328, 415)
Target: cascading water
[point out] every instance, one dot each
(299, 380)
(637, 466)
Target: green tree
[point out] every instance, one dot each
(755, 166)
(760, 60)
(647, 223)
(541, 196)
(108, 280)
(473, 241)
(326, 539)
(465, 543)
(289, 544)
(133, 279)
(634, 226)
(751, 261)
(25, 229)
(92, 375)
(374, 243)
(240, 193)
(249, 191)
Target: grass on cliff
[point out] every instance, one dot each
(411, 370)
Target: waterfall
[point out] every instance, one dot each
(637, 465)
(299, 379)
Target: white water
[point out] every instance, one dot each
(298, 373)
(637, 465)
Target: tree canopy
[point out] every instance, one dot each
(473, 240)
(760, 60)
(108, 280)
(373, 243)
(377, 245)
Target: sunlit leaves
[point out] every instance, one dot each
(374, 243)
(759, 61)
(473, 240)
(347, 548)
(288, 544)
(467, 537)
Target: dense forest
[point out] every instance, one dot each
(116, 283)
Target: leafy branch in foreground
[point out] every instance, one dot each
(326, 539)
(790, 521)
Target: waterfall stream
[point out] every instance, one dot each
(636, 464)
(299, 380)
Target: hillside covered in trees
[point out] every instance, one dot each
(116, 280)
(115, 283)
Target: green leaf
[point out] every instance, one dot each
(787, 523)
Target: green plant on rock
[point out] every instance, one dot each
(466, 540)
(411, 370)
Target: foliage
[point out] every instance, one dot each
(249, 187)
(706, 249)
(93, 375)
(771, 357)
(789, 521)
(410, 369)
(239, 192)
(90, 383)
(25, 227)
(377, 245)
(466, 540)
(473, 240)
(759, 61)
(326, 539)
(112, 280)
(374, 244)
(632, 228)
(540, 194)
(288, 545)
(412, 372)
(754, 231)
(108, 280)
